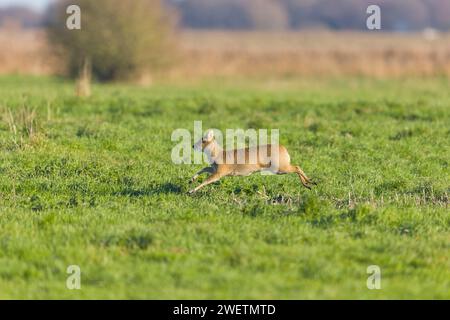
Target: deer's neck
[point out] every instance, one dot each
(213, 151)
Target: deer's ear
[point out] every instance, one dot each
(209, 135)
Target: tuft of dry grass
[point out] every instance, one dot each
(83, 88)
(23, 126)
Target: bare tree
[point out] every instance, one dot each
(119, 39)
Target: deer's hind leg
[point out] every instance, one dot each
(306, 182)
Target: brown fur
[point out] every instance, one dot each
(272, 158)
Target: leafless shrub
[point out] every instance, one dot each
(119, 39)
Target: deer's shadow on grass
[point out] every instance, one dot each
(164, 188)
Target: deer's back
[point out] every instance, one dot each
(253, 158)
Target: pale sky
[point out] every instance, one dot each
(36, 4)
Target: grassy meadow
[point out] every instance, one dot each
(90, 182)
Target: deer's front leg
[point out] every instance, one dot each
(211, 179)
(204, 170)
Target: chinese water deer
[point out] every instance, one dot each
(243, 162)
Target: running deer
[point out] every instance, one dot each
(244, 162)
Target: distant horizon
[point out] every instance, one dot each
(38, 5)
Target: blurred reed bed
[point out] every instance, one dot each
(25, 52)
(203, 54)
(314, 54)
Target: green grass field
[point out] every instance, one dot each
(93, 185)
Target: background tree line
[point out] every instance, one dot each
(397, 15)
